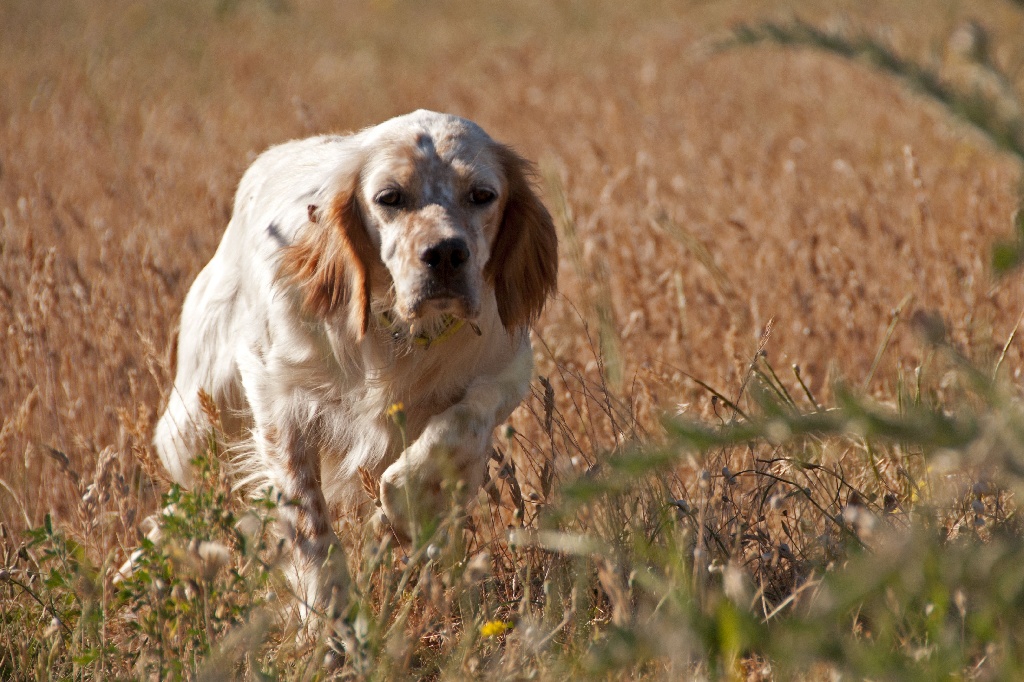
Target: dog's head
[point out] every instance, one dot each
(434, 210)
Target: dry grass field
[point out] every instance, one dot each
(711, 204)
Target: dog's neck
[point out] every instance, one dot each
(433, 331)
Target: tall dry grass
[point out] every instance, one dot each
(701, 197)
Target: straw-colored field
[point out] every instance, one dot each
(700, 196)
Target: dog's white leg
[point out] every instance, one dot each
(286, 436)
(454, 446)
(318, 573)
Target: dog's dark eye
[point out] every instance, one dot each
(389, 197)
(481, 196)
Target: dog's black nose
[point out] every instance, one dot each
(447, 256)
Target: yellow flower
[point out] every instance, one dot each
(396, 413)
(493, 628)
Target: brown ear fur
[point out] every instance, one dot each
(330, 263)
(523, 266)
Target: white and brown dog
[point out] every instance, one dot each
(401, 264)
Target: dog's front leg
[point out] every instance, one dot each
(317, 573)
(453, 447)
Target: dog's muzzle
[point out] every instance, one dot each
(445, 288)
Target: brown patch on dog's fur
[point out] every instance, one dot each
(523, 266)
(272, 436)
(312, 520)
(330, 263)
(311, 517)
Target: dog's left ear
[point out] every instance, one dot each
(523, 266)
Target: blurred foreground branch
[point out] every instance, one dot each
(996, 112)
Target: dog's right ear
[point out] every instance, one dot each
(331, 259)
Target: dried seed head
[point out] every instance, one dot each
(969, 41)
(52, 629)
(479, 568)
(209, 407)
(249, 525)
(961, 603)
(735, 584)
(777, 431)
(211, 556)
